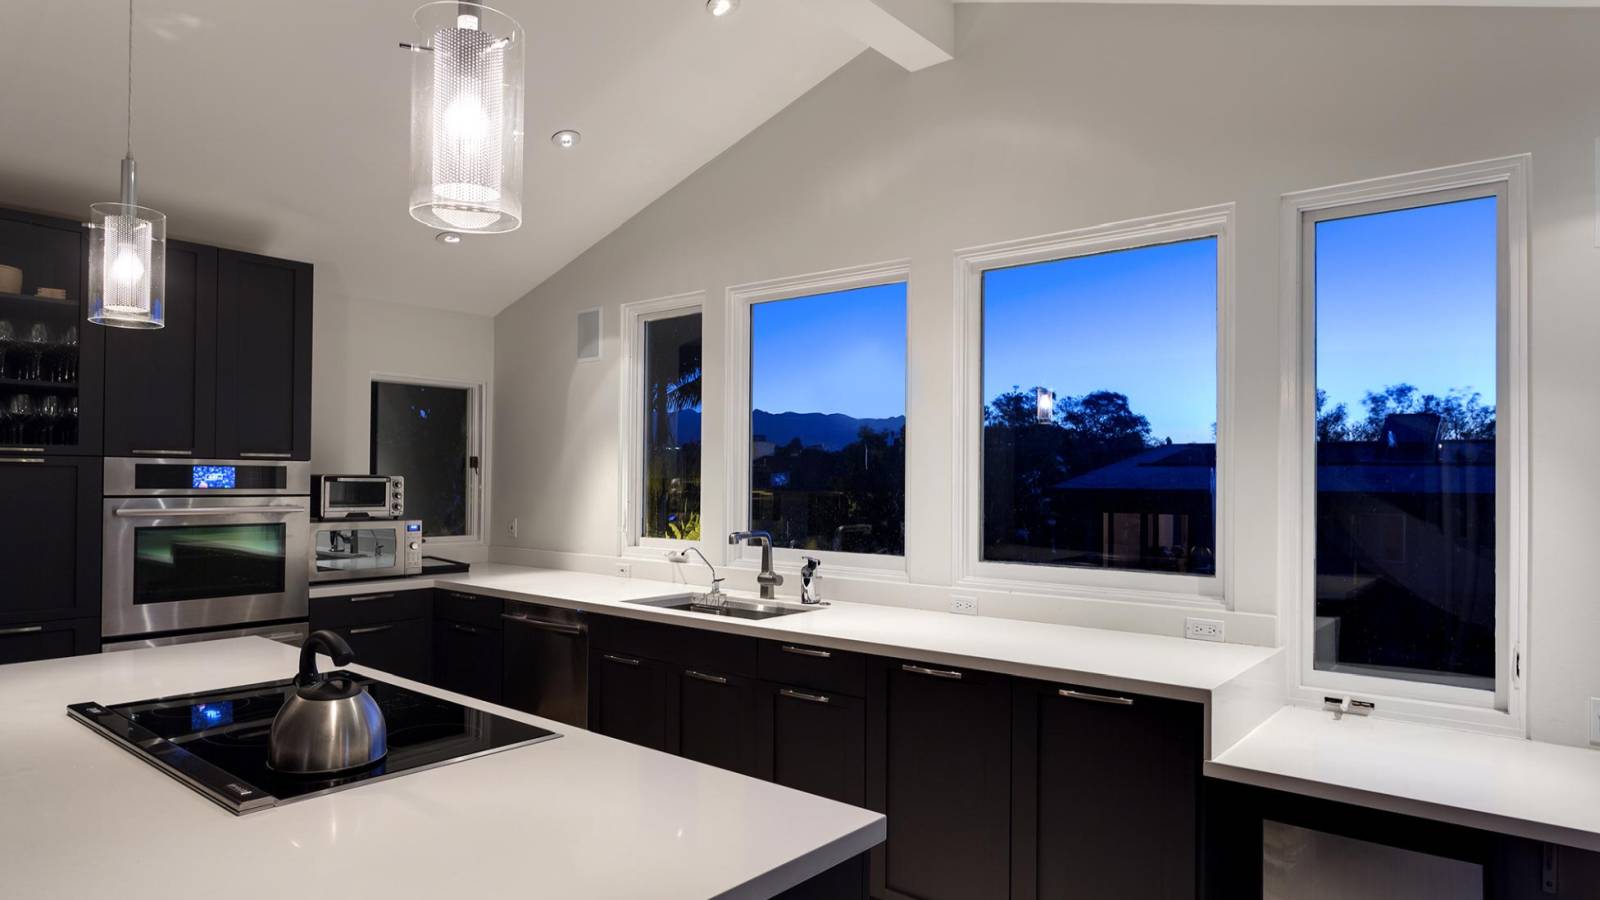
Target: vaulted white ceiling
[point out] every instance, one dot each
(282, 127)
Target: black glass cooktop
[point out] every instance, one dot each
(216, 741)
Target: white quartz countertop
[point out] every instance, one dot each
(1541, 791)
(1152, 664)
(581, 816)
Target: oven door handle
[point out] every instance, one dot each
(203, 511)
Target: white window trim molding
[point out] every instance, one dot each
(736, 452)
(1505, 712)
(630, 476)
(479, 440)
(972, 572)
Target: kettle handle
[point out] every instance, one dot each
(328, 642)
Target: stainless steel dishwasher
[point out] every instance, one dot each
(546, 664)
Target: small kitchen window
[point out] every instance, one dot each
(1094, 450)
(820, 439)
(430, 434)
(663, 350)
(1410, 477)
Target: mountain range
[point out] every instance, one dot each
(830, 431)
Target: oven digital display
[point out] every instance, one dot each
(413, 526)
(213, 477)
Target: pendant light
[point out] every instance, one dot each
(466, 118)
(127, 247)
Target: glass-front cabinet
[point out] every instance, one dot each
(49, 355)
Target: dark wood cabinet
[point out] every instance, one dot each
(629, 698)
(716, 720)
(161, 397)
(48, 640)
(49, 538)
(939, 766)
(263, 357)
(53, 355)
(389, 630)
(814, 741)
(1107, 789)
(466, 659)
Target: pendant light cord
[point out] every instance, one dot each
(130, 79)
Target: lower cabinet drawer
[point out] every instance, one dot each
(472, 609)
(400, 648)
(370, 607)
(49, 640)
(786, 662)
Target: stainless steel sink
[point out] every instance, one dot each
(730, 607)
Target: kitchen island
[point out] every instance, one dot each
(580, 816)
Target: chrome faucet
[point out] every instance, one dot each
(768, 580)
(808, 585)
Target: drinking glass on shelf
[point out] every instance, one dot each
(49, 418)
(38, 339)
(8, 348)
(71, 434)
(21, 410)
(68, 369)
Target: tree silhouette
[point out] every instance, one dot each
(1462, 414)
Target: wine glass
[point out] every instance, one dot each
(69, 355)
(21, 414)
(8, 340)
(49, 416)
(38, 337)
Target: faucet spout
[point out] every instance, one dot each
(767, 580)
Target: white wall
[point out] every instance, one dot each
(353, 340)
(1054, 117)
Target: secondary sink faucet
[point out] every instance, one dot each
(768, 580)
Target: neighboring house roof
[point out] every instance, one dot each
(1460, 467)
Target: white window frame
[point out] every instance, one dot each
(477, 440)
(1503, 710)
(740, 299)
(630, 477)
(973, 572)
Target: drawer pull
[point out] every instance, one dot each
(24, 449)
(371, 629)
(545, 624)
(161, 452)
(951, 674)
(1095, 698)
(806, 651)
(21, 459)
(252, 454)
(25, 629)
(467, 628)
(701, 676)
(802, 695)
(362, 598)
(620, 659)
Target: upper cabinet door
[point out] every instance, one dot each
(161, 385)
(263, 357)
(50, 376)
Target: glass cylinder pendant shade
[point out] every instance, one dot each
(127, 266)
(466, 119)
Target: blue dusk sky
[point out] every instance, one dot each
(1139, 322)
(1408, 296)
(843, 352)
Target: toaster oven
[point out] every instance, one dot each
(358, 496)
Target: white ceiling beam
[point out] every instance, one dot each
(914, 33)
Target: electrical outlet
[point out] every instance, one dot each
(512, 528)
(1202, 629)
(964, 604)
(622, 570)
(1594, 720)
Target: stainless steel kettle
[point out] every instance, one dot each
(329, 723)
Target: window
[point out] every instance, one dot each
(671, 476)
(1100, 412)
(1406, 302)
(1094, 445)
(1411, 328)
(429, 434)
(827, 430)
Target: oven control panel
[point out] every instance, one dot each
(413, 546)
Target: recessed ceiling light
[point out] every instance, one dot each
(447, 237)
(720, 8)
(566, 138)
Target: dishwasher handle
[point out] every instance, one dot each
(546, 624)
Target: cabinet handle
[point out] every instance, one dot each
(161, 452)
(25, 450)
(467, 628)
(21, 459)
(544, 624)
(701, 676)
(362, 598)
(247, 454)
(620, 659)
(1095, 698)
(951, 674)
(802, 695)
(24, 629)
(806, 651)
(371, 629)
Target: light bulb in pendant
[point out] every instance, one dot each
(127, 269)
